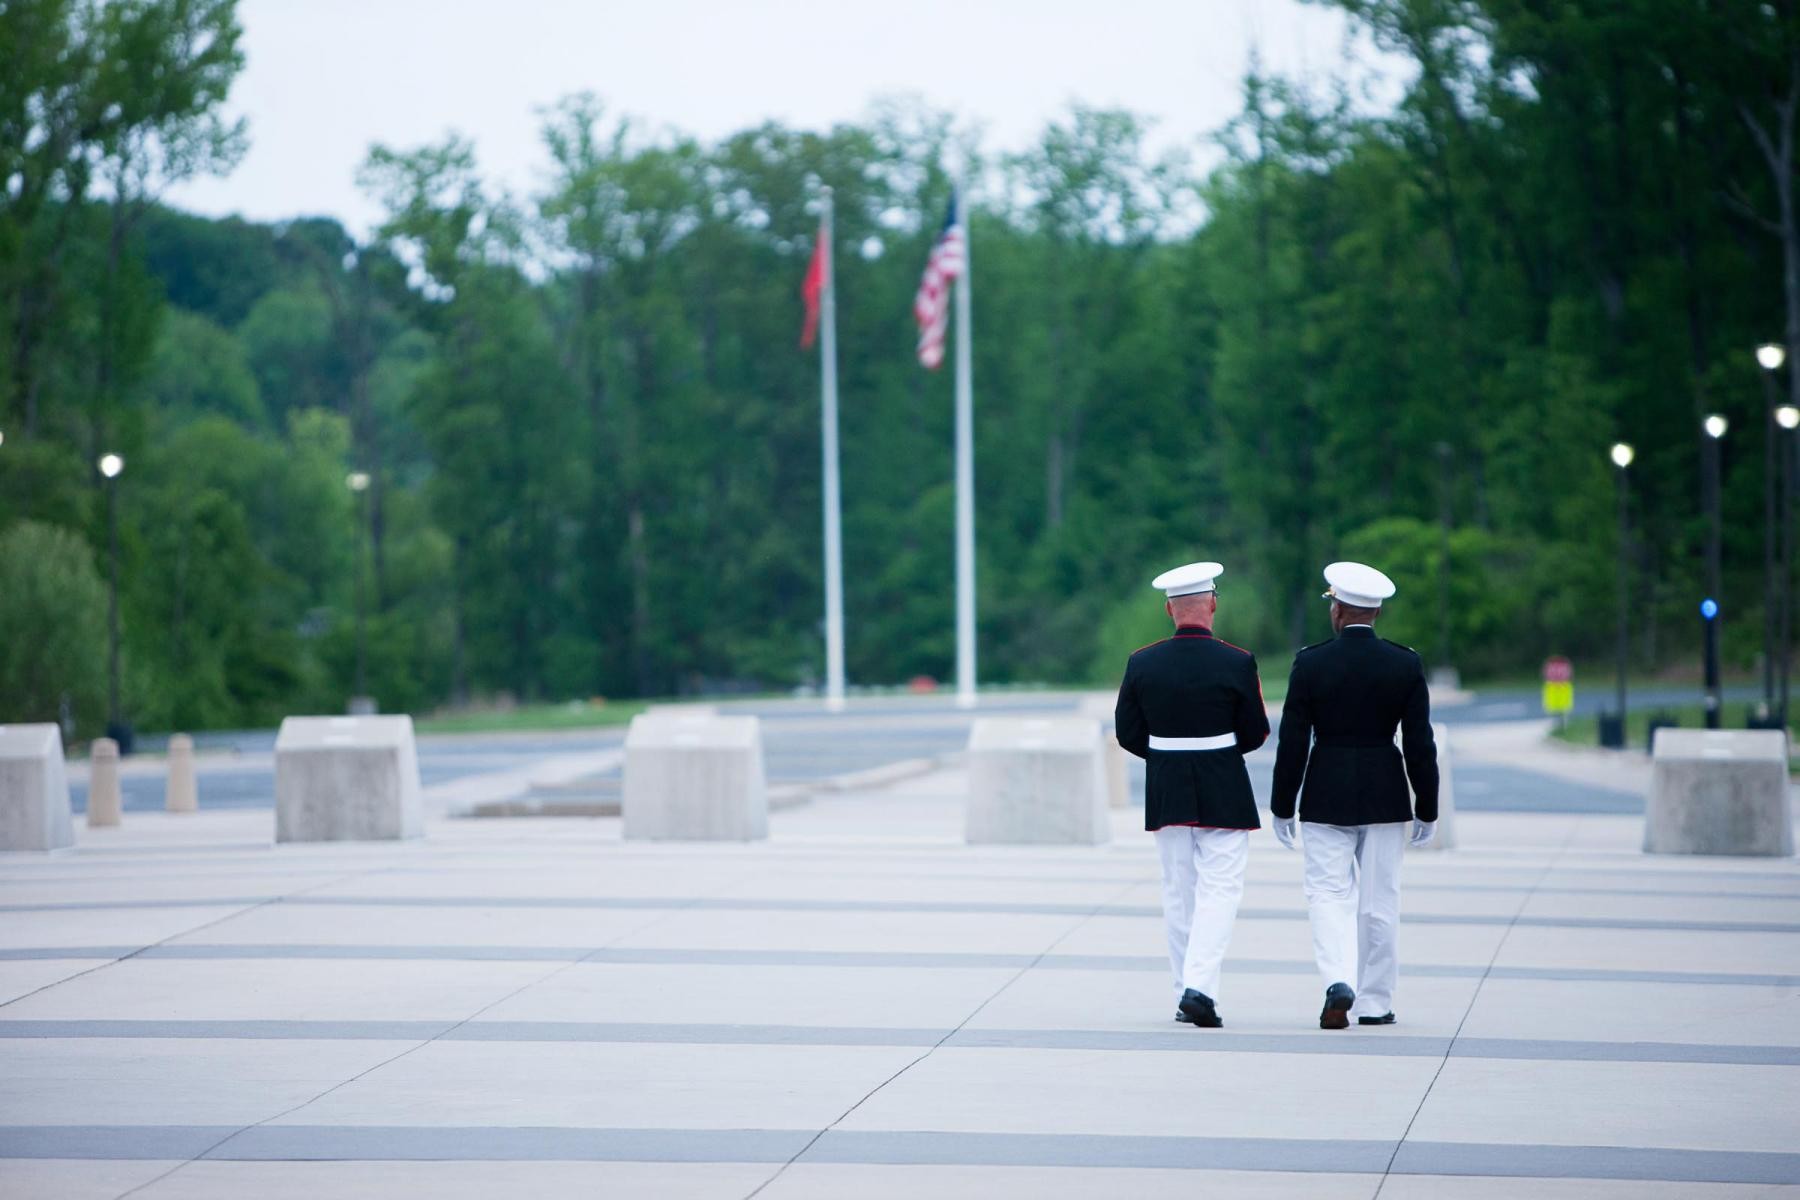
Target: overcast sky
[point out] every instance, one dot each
(326, 78)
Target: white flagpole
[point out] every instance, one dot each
(828, 422)
(965, 476)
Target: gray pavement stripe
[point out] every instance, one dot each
(637, 903)
(850, 958)
(525, 1144)
(314, 1142)
(34, 953)
(1374, 1043)
(1100, 1150)
(110, 1141)
(328, 1031)
(1596, 1162)
(1148, 880)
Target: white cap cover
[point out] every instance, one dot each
(1188, 580)
(1357, 585)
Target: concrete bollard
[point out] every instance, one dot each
(1446, 822)
(1116, 761)
(694, 776)
(104, 803)
(1719, 791)
(34, 789)
(1036, 781)
(182, 795)
(341, 779)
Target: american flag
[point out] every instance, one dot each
(932, 305)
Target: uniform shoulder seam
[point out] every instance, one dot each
(1403, 646)
(1146, 646)
(1314, 646)
(1238, 648)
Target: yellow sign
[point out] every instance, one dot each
(1559, 698)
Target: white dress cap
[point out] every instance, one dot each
(1357, 585)
(1188, 580)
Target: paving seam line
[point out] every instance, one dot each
(1555, 857)
(449, 1028)
(247, 907)
(934, 1047)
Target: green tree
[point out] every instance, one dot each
(53, 608)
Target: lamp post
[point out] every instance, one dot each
(1769, 358)
(111, 465)
(1622, 454)
(1714, 427)
(1788, 417)
(358, 483)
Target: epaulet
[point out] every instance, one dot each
(1403, 646)
(1314, 646)
(1239, 649)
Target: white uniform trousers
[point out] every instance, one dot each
(1202, 882)
(1353, 898)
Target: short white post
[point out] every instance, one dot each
(34, 789)
(695, 777)
(182, 795)
(1719, 791)
(341, 779)
(104, 803)
(1036, 781)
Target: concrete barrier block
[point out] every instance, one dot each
(1116, 762)
(105, 806)
(1446, 822)
(1719, 791)
(342, 779)
(34, 789)
(694, 776)
(181, 795)
(1036, 781)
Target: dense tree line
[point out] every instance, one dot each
(592, 441)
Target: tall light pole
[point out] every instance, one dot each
(358, 483)
(1769, 357)
(1622, 454)
(111, 465)
(1788, 417)
(1714, 427)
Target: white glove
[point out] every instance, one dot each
(1422, 832)
(1284, 831)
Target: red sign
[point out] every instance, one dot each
(1558, 669)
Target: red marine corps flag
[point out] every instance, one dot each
(812, 288)
(819, 290)
(932, 305)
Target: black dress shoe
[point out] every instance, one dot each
(1336, 1013)
(1383, 1019)
(1197, 1009)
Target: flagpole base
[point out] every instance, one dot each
(834, 704)
(965, 699)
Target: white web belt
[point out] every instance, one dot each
(1219, 741)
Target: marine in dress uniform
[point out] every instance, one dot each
(1191, 707)
(1336, 757)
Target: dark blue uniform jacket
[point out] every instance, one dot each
(1189, 686)
(1336, 753)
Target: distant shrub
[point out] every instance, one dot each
(52, 626)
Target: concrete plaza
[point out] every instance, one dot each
(864, 1006)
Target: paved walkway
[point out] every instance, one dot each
(862, 1006)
